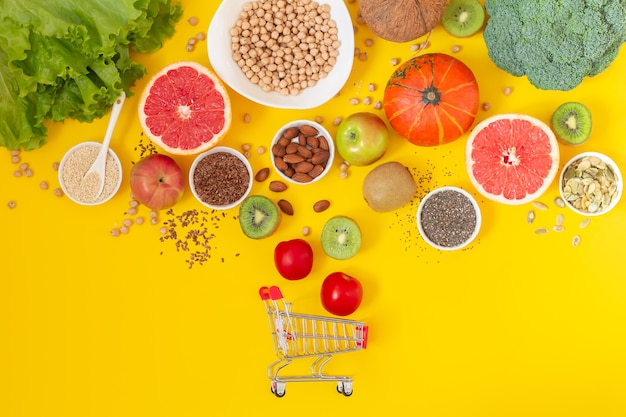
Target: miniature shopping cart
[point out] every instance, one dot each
(306, 336)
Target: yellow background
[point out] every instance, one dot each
(515, 325)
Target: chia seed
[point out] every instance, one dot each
(221, 179)
(448, 218)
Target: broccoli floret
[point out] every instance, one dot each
(554, 43)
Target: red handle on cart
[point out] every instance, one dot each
(270, 293)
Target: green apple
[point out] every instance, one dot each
(362, 138)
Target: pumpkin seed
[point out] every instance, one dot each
(589, 184)
(575, 240)
(558, 228)
(530, 217)
(559, 202)
(559, 219)
(541, 231)
(585, 222)
(539, 205)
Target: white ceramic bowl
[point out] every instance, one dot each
(420, 211)
(212, 151)
(220, 56)
(70, 190)
(619, 184)
(321, 132)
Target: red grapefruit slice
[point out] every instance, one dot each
(185, 109)
(512, 158)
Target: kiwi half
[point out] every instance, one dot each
(571, 123)
(341, 237)
(258, 216)
(463, 18)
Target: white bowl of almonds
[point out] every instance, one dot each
(591, 184)
(254, 47)
(302, 152)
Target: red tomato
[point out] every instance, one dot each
(341, 294)
(293, 259)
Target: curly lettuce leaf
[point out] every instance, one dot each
(71, 58)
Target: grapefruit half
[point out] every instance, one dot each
(185, 109)
(512, 158)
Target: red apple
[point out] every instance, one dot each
(362, 138)
(157, 181)
(341, 294)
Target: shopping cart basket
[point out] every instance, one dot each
(307, 336)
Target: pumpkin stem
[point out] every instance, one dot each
(431, 95)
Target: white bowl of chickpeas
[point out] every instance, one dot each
(281, 55)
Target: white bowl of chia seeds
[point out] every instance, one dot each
(448, 218)
(83, 190)
(220, 178)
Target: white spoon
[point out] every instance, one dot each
(99, 165)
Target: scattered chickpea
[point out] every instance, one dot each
(319, 119)
(357, 51)
(11, 204)
(247, 118)
(55, 166)
(15, 159)
(189, 48)
(415, 47)
(486, 106)
(193, 20)
(246, 147)
(131, 211)
(133, 203)
(24, 166)
(115, 232)
(15, 152)
(200, 36)
(455, 49)
(127, 222)
(337, 121)
(43, 185)
(58, 192)
(123, 230)
(343, 175)
(360, 20)
(369, 42)
(28, 173)
(261, 150)
(153, 214)
(306, 230)
(363, 56)
(140, 220)
(344, 166)
(17, 173)
(378, 105)
(367, 100)
(247, 154)
(507, 91)
(395, 61)
(354, 101)
(371, 87)
(154, 221)
(163, 230)
(191, 41)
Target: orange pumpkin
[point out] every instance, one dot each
(431, 99)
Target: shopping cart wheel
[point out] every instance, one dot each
(278, 389)
(344, 388)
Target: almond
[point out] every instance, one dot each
(302, 139)
(301, 177)
(293, 158)
(319, 158)
(286, 207)
(321, 205)
(292, 147)
(304, 152)
(323, 143)
(283, 141)
(278, 150)
(313, 141)
(316, 171)
(262, 174)
(308, 130)
(278, 186)
(303, 167)
(280, 164)
(291, 132)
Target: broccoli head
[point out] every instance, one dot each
(554, 43)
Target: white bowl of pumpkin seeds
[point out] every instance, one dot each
(591, 184)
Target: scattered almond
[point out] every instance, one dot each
(262, 174)
(286, 207)
(277, 186)
(321, 205)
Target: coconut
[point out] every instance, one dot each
(402, 20)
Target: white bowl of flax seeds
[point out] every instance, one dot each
(220, 178)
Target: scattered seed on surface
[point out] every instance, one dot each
(344, 166)
(246, 147)
(363, 56)
(124, 230)
(15, 159)
(163, 230)
(367, 100)
(17, 173)
(154, 221)
(139, 220)
(11, 204)
(133, 203)
(306, 230)
(154, 214)
(507, 91)
(43, 185)
(189, 48)
(585, 222)
(575, 240)
(24, 166)
(415, 47)
(319, 119)
(539, 205)
(369, 42)
(558, 228)
(247, 118)
(191, 41)
(127, 222)
(58, 192)
(200, 36)
(530, 217)
(395, 61)
(354, 101)
(541, 231)
(261, 150)
(193, 20)
(115, 232)
(559, 219)
(28, 173)
(378, 105)
(486, 106)
(343, 175)
(337, 121)
(371, 87)
(15, 152)
(455, 49)
(559, 202)
(55, 166)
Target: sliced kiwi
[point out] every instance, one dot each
(341, 237)
(571, 123)
(258, 216)
(463, 18)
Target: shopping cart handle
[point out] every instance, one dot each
(275, 293)
(264, 292)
